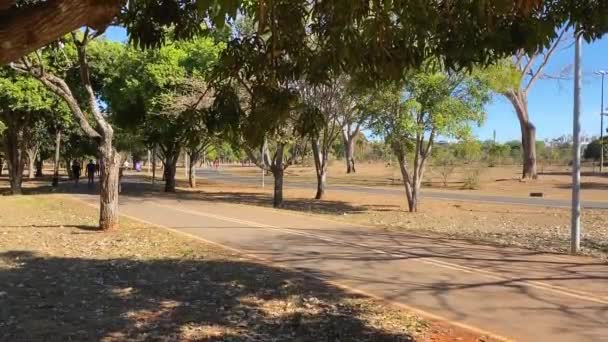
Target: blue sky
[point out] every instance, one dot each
(550, 102)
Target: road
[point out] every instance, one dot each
(513, 293)
(224, 176)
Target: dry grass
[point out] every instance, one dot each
(61, 280)
(554, 182)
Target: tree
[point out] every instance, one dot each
(164, 96)
(468, 150)
(324, 106)
(26, 108)
(593, 150)
(102, 133)
(352, 121)
(514, 79)
(429, 104)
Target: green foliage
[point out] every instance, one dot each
(379, 39)
(429, 103)
(468, 150)
(593, 150)
(472, 178)
(23, 94)
(502, 76)
(163, 95)
(497, 153)
(26, 106)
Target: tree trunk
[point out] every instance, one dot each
(109, 183)
(154, 165)
(68, 168)
(278, 171)
(56, 165)
(278, 187)
(349, 155)
(192, 169)
(1, 165)
(170, 166)
(320, 158)
(410, 191)
(528, 138)
(528, 134)
(32, 153)
(15, 172)
(39, 166)
(15, 158)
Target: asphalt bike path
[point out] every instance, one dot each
(506, 292)
(223, 176)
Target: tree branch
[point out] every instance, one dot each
(61, 89)
(547, 55)
(28, 28)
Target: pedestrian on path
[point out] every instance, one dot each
(90, 172)
(76, 171)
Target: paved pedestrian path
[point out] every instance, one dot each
(514, 293)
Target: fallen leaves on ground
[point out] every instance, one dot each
(60, 280)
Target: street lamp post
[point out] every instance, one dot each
(575, 228)
(602, 114)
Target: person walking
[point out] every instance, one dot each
(76, 171)
(90, 172)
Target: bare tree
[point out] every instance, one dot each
(530, 68)
(103, 132)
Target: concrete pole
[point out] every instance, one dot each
(602, 128)
(575, 238)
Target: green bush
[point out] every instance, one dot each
(472, 178)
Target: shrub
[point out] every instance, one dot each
(472, 178)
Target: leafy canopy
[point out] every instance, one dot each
(428, 103)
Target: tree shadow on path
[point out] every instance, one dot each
(62, 299)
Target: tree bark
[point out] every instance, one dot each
(278, 171)
(349, 154)
(24, 30)
(154, 165)
(170, 166)
(528, 134)
(528, 138)
(192, 169)
(1, 165)
(109, 183)
(32, 153)
(39, 166)
(15, 171)
(320, 158)
(68, 168)
(56, 165)
(13, 145)
(410, 191)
